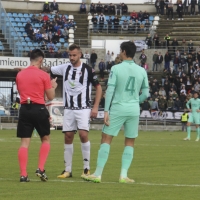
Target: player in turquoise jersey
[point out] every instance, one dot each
(125, 83)
(194, 117)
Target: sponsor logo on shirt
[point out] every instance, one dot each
(72, 84)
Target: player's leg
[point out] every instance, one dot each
(131, 132)
(83, 122)
(24, 131)
(42, 126)
(69, 129)
(190, 120)
(197, 130)
(109, 132)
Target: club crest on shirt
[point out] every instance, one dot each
(80, 74)
(72, 84)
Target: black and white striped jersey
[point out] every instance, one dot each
(77, 84)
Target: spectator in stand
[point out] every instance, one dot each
(147, 25)
(136, 27)
(40, 18)
(196, 64)
(65, 54)
(45, 18)
(134, 15)
(94, 21)
(162, 103)
(83, 8)
(145, 15)
(107, 59)
(159, 61)
(34, 19)
(162, 6)
(124, 8)
(45, 37)
(155, 104)
(92, 8)
(148, 41)
(27, 27)
(140, 16)
(42, 30)
(154, 59)
(162, 92)
(56, 27)
(93, 59)
(50, 54)
(157, 5)
(145, 105)
(112, 59)
(196, 86)
(109, 65)
(164, 75)
(102, 67)
(54, 6)
(116, 24)
(130, 25)
(50, 36)
(192, 8)
(117, 60)
(58, 54)
(46, 7)
(111, 9)
(190, 46)
(170, 104)
(174, 44)
(118, 8)
(166, 6)
(156, 40)
(186, 4)
(99, 7)
(125, 25)
(55, 38)
(177, 104)
(167, 59)
(38, 37)
(51, 45)
(31, 33)
(143, 59)
(101, 19)
(87, 57)
(106, 8)
(176, 63)
(167, 39)
(65, 33)
(170, 10)
(110, 24)
(198, 3)
(180, 10)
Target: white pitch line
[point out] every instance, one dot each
(139, 183)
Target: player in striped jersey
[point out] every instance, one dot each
(78, 79)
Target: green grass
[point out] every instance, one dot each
(164, 167)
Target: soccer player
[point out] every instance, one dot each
(32, 84)
(78, 79)
(125, 83)
(193, 106)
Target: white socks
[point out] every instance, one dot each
(68, 153)
(85, 147)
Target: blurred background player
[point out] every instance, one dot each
(184, 119)
(193, 106)
(32, 84)
(122, 107)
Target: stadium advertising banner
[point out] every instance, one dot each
(154, 115)
(13, 62)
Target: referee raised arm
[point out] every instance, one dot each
(33, 84)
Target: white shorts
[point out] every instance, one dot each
(76, 119)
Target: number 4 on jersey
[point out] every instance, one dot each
(130, 85)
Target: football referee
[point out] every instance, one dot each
(33, 84)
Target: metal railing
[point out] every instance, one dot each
(9, 31)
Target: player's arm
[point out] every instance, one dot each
(55, 70)
(144, 89)
(50, 88)
(93, 79)
(188, 105)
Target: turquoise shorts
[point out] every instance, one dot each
(194, 118)
(116, 122)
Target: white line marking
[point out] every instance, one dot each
(139, 183)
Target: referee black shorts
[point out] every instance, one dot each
(33, 116)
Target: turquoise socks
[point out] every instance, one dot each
(198, 132)
(102, 158)
(188, 131)
(127, 158)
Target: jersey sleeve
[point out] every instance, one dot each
(58, 70)
(47, 82)
(92, 77)
(112, 77)
(145, 83)
(188, 104)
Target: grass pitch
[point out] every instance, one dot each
(164, 167)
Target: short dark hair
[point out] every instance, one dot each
(74, 46)
(129, 47)
(36, 53)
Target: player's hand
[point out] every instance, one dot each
(106, 119)
(94, 112)
(54, 83)
(189, 110)
(198, 110)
